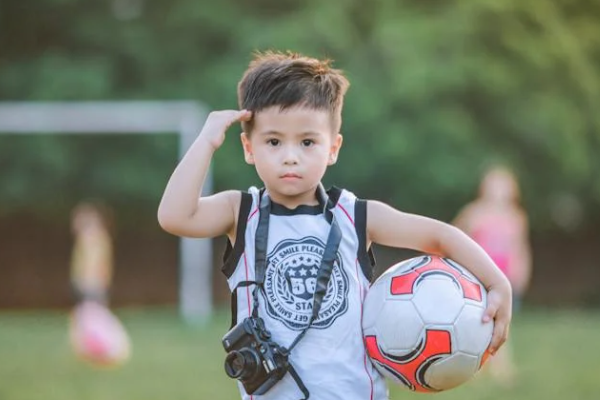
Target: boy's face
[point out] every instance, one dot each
(291, 150)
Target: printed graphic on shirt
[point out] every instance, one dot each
(290, 282)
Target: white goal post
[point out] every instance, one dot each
(135, 117)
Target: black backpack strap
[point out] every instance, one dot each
(232, 254)
(366, 257)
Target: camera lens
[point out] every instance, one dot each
(242, 364)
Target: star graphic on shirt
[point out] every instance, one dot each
(292, 272)
(302, 272)
(313, 271)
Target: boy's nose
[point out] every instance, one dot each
(290, 157)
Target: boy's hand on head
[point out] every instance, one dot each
(217, 123)
(499, 309)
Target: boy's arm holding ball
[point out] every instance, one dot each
(390, 227)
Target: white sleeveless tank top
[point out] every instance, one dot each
(330, 359)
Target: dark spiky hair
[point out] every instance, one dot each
(288, 80)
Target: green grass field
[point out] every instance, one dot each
(558, 354)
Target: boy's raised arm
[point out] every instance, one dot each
(390, 227)
(181, 212)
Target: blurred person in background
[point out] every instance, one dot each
(97, 336)
(92, 255)
(498, 223)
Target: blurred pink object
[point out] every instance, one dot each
(97, 335)
(496, 235)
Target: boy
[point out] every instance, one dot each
(281, 236)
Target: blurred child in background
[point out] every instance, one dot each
(97, 336)
(498, 223)
(92, 256)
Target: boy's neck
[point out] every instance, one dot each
(308, 198)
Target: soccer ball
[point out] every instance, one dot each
(422, 324)
(98, 337)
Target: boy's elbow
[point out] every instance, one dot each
(167, 221)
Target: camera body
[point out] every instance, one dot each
(253, 358)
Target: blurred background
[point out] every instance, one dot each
(440, 90)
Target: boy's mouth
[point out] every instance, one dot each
(290, 175)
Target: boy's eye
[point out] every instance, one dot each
(308, 142)
(273, 142)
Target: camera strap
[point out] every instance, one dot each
(327, 261)
(323, 276)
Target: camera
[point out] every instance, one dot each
(253, 358)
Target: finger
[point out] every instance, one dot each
(232, 116)
(499, 336)
(244, 115)
(490, 311)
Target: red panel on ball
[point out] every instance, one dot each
(437, 343)
(404, 284)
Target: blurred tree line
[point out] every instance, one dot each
(440, 89)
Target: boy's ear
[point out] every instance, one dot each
(335, 149)
(247, 146)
